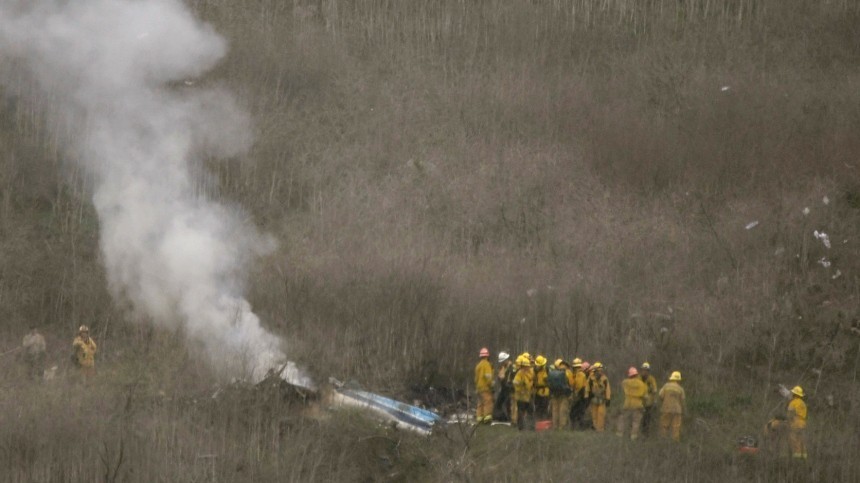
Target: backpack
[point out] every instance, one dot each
(557, 382)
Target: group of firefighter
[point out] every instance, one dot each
(528, 390)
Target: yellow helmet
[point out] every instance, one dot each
(83, 328)
(676, 376)
(797, 391)
(597, 365)
(577, 362)
(526, 355)
(525, 362)
(540, 361)
(558, 362)
(645, 365)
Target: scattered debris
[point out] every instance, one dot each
(748, 445)
(837, 274)
(805, 211)
(531, 292)
(824, 262)
(725, 88)
(752, 225)
(400, 414)
(823, 237)
(779, 251)
(825, 200)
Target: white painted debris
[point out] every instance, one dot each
(825, 200)
(824, 262)
(725, 88)
(823, 237)
(531, 292)
(806, 211)
(837, 274)
(751, 225)
(779, 251)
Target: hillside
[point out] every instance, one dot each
(616, 180)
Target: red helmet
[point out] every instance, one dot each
(632, 372)
(485, 352)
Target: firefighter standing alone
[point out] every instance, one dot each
(84, 355)
(484, 388)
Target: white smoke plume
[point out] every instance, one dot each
(113, 70)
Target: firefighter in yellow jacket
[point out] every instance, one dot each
(84, 348)
(579, 398)
(541, 388)
(635, 392)
(484, 388)
(672, 406)
(650, 398)
(600, 394)
(560, 381)
(797, 423)
(523, 387)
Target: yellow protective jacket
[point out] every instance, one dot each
(634, 393)
(484, 376)
(523, 384)
(672, 398)
(797, 413)
(577, 382)
(85, 351)
(541, 385)
(651, 383)
(598, 388)
(571, 378)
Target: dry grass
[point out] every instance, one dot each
(425, 165)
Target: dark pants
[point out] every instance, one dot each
(502, 407)
(577, 414)
(647, 419)
(525, 412)
(541, 407)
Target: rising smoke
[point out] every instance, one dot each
(112, 69)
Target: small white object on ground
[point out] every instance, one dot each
(752, 225)
(823, 237)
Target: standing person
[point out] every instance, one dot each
(484, 388)
(34, 354)
(504, 385)
(634, 393)
(650, 398)
(672, 406)
(523, 386)
(796, 412)
(560, 381)
(600, 394)
(579, 399)
(84, 352)
(541, 388)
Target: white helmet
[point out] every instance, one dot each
(503, 356)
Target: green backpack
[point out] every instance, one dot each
(557, 382)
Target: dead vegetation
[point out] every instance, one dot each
(574, 177)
